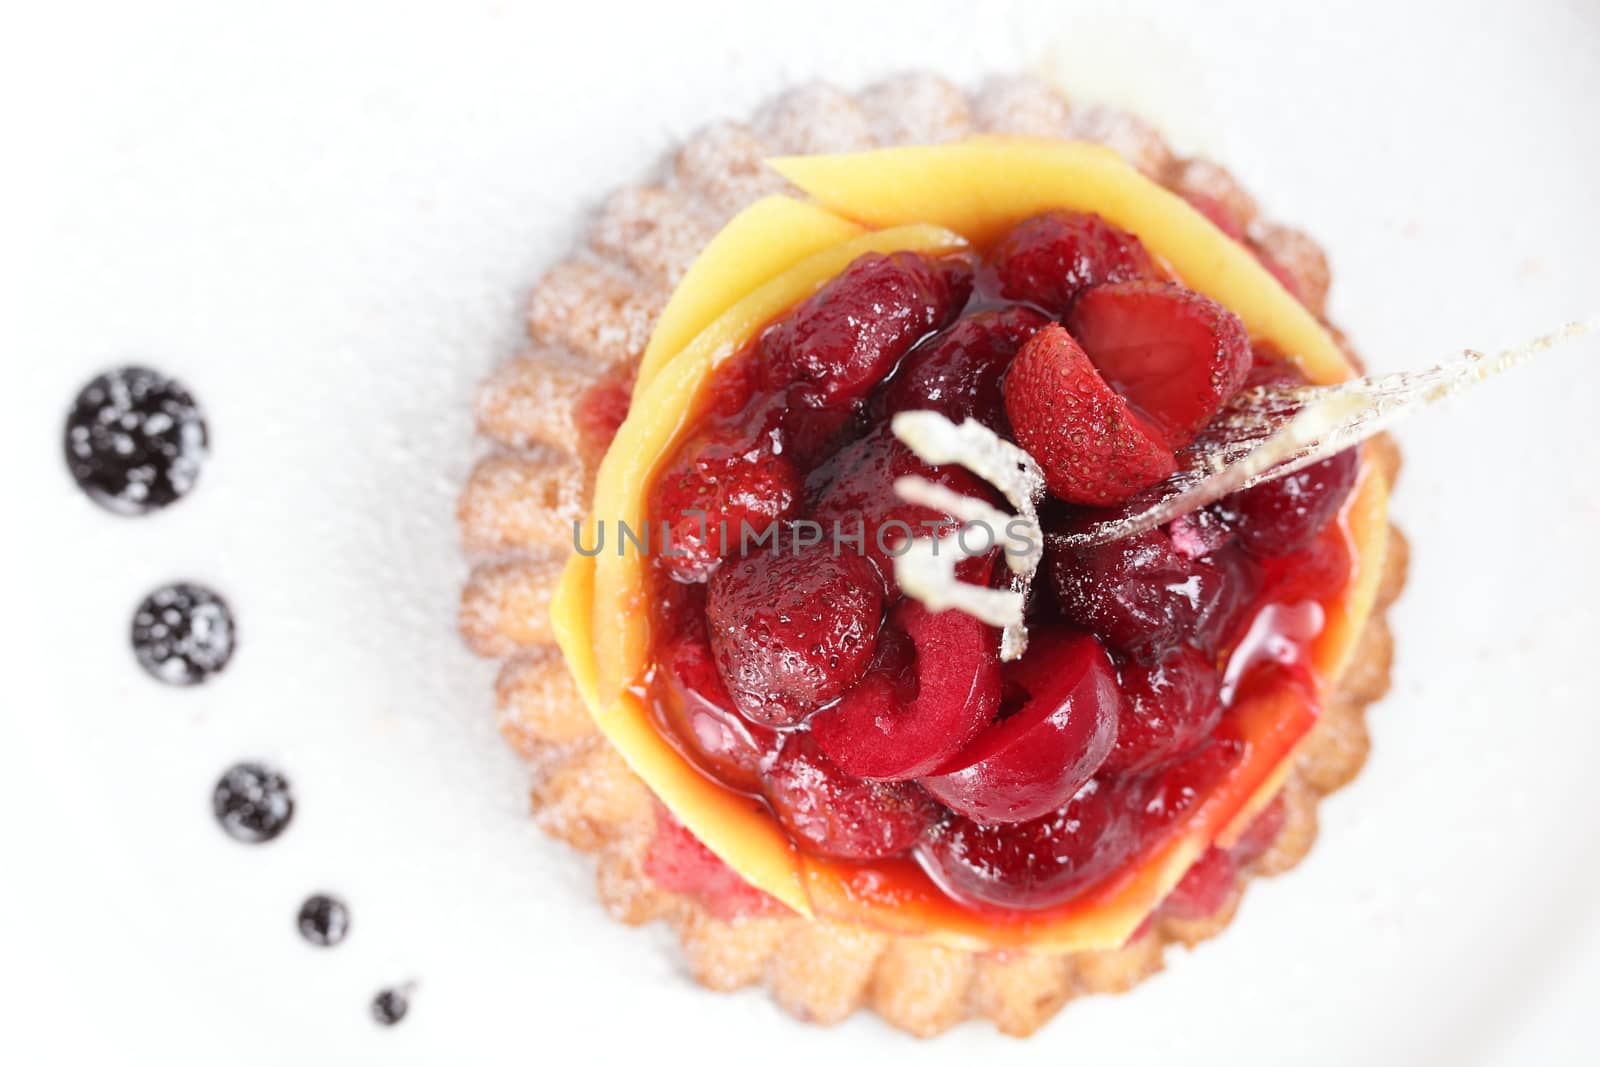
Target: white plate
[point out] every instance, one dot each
(325, 220)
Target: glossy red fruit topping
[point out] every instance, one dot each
(1205, 888)
(836, 814)
(1032, 864)
(1262, 833)
(1058, 720)
(934, 683)
(848, 336)
(1093, 448)
(1049, 260)
(1176, 355)
(718, 484)
(1169, 710)
(602, 409)
(1138, 594)
(854, 490)
(1170, 796)
(1285, 515)
(700, 713)
(957, 372)
(678, 862)
(791, 629)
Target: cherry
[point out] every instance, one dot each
(1058, 721)
(1050, 259)
(848, 336)
(839, 815)
(792, 628)
(700, 713)
(957, 372)
(719, 483)
(934, 683)
(1032, 864)
(1169, 710)
(1167, 797)
(1285, 515)
(1093, 448)
(1175, 354)
(1138, 595)
(854, 491)
(1204, 888)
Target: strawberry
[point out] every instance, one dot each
(1176, 355)
(1094, 449)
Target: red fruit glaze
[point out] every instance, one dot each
(855, 490)
(792, 629)
(848, 336)
(1262, 833)
(1093, 448)
(1058, 721)
(678, 862)
(1205, 888)
(1032, 864)
(718, 483)
(1176, 355)
(700, 714)
(1285, 515)
(957, 372)
(1169, 709)
(1049, 260)
(935, 682)
(836, 814)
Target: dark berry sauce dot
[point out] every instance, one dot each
(183, 634)
(323, 920)
(391, 1005)
(135, 440)
(252, 802)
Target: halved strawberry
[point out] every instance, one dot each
(934, 683)
(1094, 449)
(1176, 355)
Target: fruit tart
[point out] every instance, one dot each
(705, 550)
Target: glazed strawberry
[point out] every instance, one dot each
(1139, 595)
(848, 336)
(855, 491)
(1093, 448)
(1169, 710)
(836, 814)
(1176, 355)
(1058, 721)
(934, 683)
(718, 484)
(699, 712)
(957, 372)
(1049, 260)
(1032, 864)
(1205, 888)
(1285, 515)
(792, 629)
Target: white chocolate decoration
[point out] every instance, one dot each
(926, 567)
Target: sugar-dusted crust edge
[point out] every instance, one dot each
(591, 315)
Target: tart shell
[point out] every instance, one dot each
(590, 317)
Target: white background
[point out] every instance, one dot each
(324, 218)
